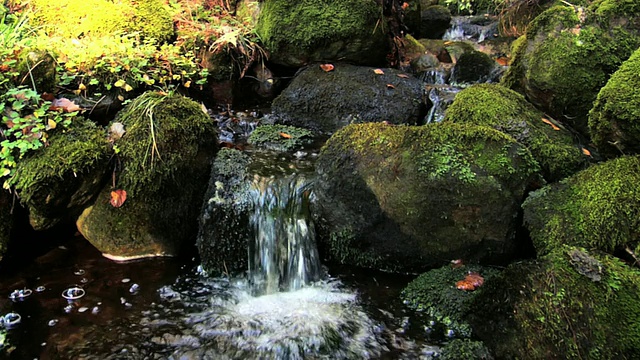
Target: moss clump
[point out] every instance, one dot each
(514, 75)
(164, 160)
(614, 121)
(547, 309)
(291, 30)
(434, 293)
(465, 349)
(598, 208)
(507, 111)
(569, 57)
(280, 137)
(59, 181)
(426, 191)
(153, 20)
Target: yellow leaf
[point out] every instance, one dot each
(120, 97)
(128, 87)
(187, 84)
(82, 87)
(51, 124)
(378, 71)
(120, 83)
(586, 152)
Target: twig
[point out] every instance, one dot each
(633, 255)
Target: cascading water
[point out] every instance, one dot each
(283, 256)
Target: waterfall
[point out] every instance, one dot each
(283, 256)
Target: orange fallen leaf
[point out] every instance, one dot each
(327, 67)
(405, 5)
(378, 71)
(118, 197)
(404, 76)
(586, 152)
(554, 126)
(285, 135)
(471, 282)
(504, 61)
(390, 86)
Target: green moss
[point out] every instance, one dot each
(614, 121)
(280, 137)
(65, 175)
(465, 349)
(598, 208)
(514, 74)
(507, 111)
(434, 293)
(345, 249)
(472, 67)
(162, 131)
(548, 309)
(153, 20)
(231, 163)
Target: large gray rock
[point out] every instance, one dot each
(327, 101)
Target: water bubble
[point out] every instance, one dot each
(134, 288)
(19, 295)
(450, 333)
(128, 305)
(43, 344)
(73, 293)
(84, 280)
(11, 319)
(79, 272)
(125, 280)
(41, 288)
(68, 308)
(83, 309)
(53, 322)
(123, 300)
(95, 310)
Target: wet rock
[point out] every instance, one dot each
(6, 222)
(597, 208)
(614, 121)
(465, 349)
(58, 182)
(164, 161)
(327, 101)
(568, 54)
(297, 33)
(546, 309)
(475, 67)
(434, 21)
(505, 110)
(407, 198)
(280, 137)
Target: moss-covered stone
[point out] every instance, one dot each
(70, 18)
(513, 77)
(597, 208)
(614, 121)
(299, 32)
(570, 54)
(37, 69)
(163, 165)
(224, 232)
(465, 349)
(547, 309)
(58, 182)
(280, 137)
(403, 197)
(327, 101)
(435, 295)
(473, 67)
(507, 111)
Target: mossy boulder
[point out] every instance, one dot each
(409, 198)
(434, 295)
(474, 67)
(549, 309)
(69, 18)
(505, 110)
(297, 33)
(465, 349)
(327, 101)
(37, 66)
(614, 121)
(434, 21)
(57, 183)
(597, 208)
(570, 53)
(224, 233)
(163, 164)
(280, 137)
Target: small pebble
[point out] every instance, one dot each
(53, 322)
(126, 280)
(83, 309)
(68, 308)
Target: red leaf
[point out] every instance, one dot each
(471, 282)
(404, 76)
(118, 197)
(586, 152)
(327, 67)
(64, 104)
(378, 71)
(390, 86)
(285, 135)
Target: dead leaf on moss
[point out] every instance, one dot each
(586, 152)
(118, 197)
(471, 282)
(553, 126)
(404, 76)
(378, 71)
(390, 86)
(285, 135)
(327, 67)
(65, 105)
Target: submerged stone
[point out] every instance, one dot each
(326, 101)
(163, 163)
(614, 121)
(408, 198)
(547, 309)
(58, 182)
(597, 208)
(505, 110)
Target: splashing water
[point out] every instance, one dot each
(284, 255)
